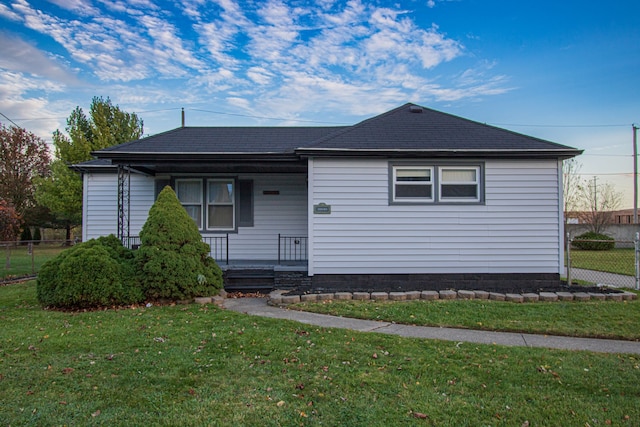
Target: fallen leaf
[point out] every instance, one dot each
(375, 355)
(95, 414)
(280, 404)
(420, 415)
(67, 370)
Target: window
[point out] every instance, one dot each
(220, 204)
(412, 184)
(459, 184)
(216, 204)
(189, 192)
(435, 183)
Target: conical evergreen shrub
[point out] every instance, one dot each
(173, 261)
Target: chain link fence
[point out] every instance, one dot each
(617, 266)
(24, 258)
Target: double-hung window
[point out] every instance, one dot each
(412, 184)
(211, 203)
(435, 183)
(459, 183)
(221, 212)
(189, 192)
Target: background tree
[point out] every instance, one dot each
(23, 157)
(9, 222)
(572, 185)
(106, 125)
(597, 203)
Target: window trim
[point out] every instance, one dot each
(441, 182)
(429, 183)
(436, 168)
(233, 203)
(200, 181)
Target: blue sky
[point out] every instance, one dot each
(567, 71)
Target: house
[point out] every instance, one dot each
(411, 199)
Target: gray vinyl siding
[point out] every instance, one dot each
(516, 230)
(100, 204)
(283, 213)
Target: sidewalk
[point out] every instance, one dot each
(259, 307)
(603, 278)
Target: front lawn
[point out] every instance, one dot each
(199, 365)
(595, 319)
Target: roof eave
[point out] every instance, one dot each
(141, 157)
(563, 153)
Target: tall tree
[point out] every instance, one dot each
(107, 125)
(23, 157)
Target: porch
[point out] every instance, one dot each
(288, 268)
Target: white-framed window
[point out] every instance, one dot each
(221, 204)
(459, 183)
(412, 184)
(189, 192)
(444, 182)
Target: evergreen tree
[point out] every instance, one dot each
(173, 261)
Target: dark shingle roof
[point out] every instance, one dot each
(408, 130)
(226, 140)
(412, 127)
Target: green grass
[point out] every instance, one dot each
(620, 261)
(595, 319)
(22, 263)
(199, 365)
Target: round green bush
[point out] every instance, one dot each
(96, 273)
(591, 241)
(173, 262)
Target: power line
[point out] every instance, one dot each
(267, 118)
(14, 123)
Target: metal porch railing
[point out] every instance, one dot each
(292, 248)
(219, 246)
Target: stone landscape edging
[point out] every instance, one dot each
(279, 297)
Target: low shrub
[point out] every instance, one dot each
(96, 273)
(173, 262)
(591, 241)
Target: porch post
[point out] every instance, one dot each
(124, 201)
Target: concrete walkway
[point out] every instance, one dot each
(603, 278)
(259, 307)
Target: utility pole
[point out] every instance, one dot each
(595, 193)
(635, 173)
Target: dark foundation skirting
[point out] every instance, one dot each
(506, 282)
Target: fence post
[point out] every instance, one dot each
(636, 243)
(569, 278)
(33, 259)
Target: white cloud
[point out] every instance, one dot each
(331, 55)
(8, 13)
(18, 55)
